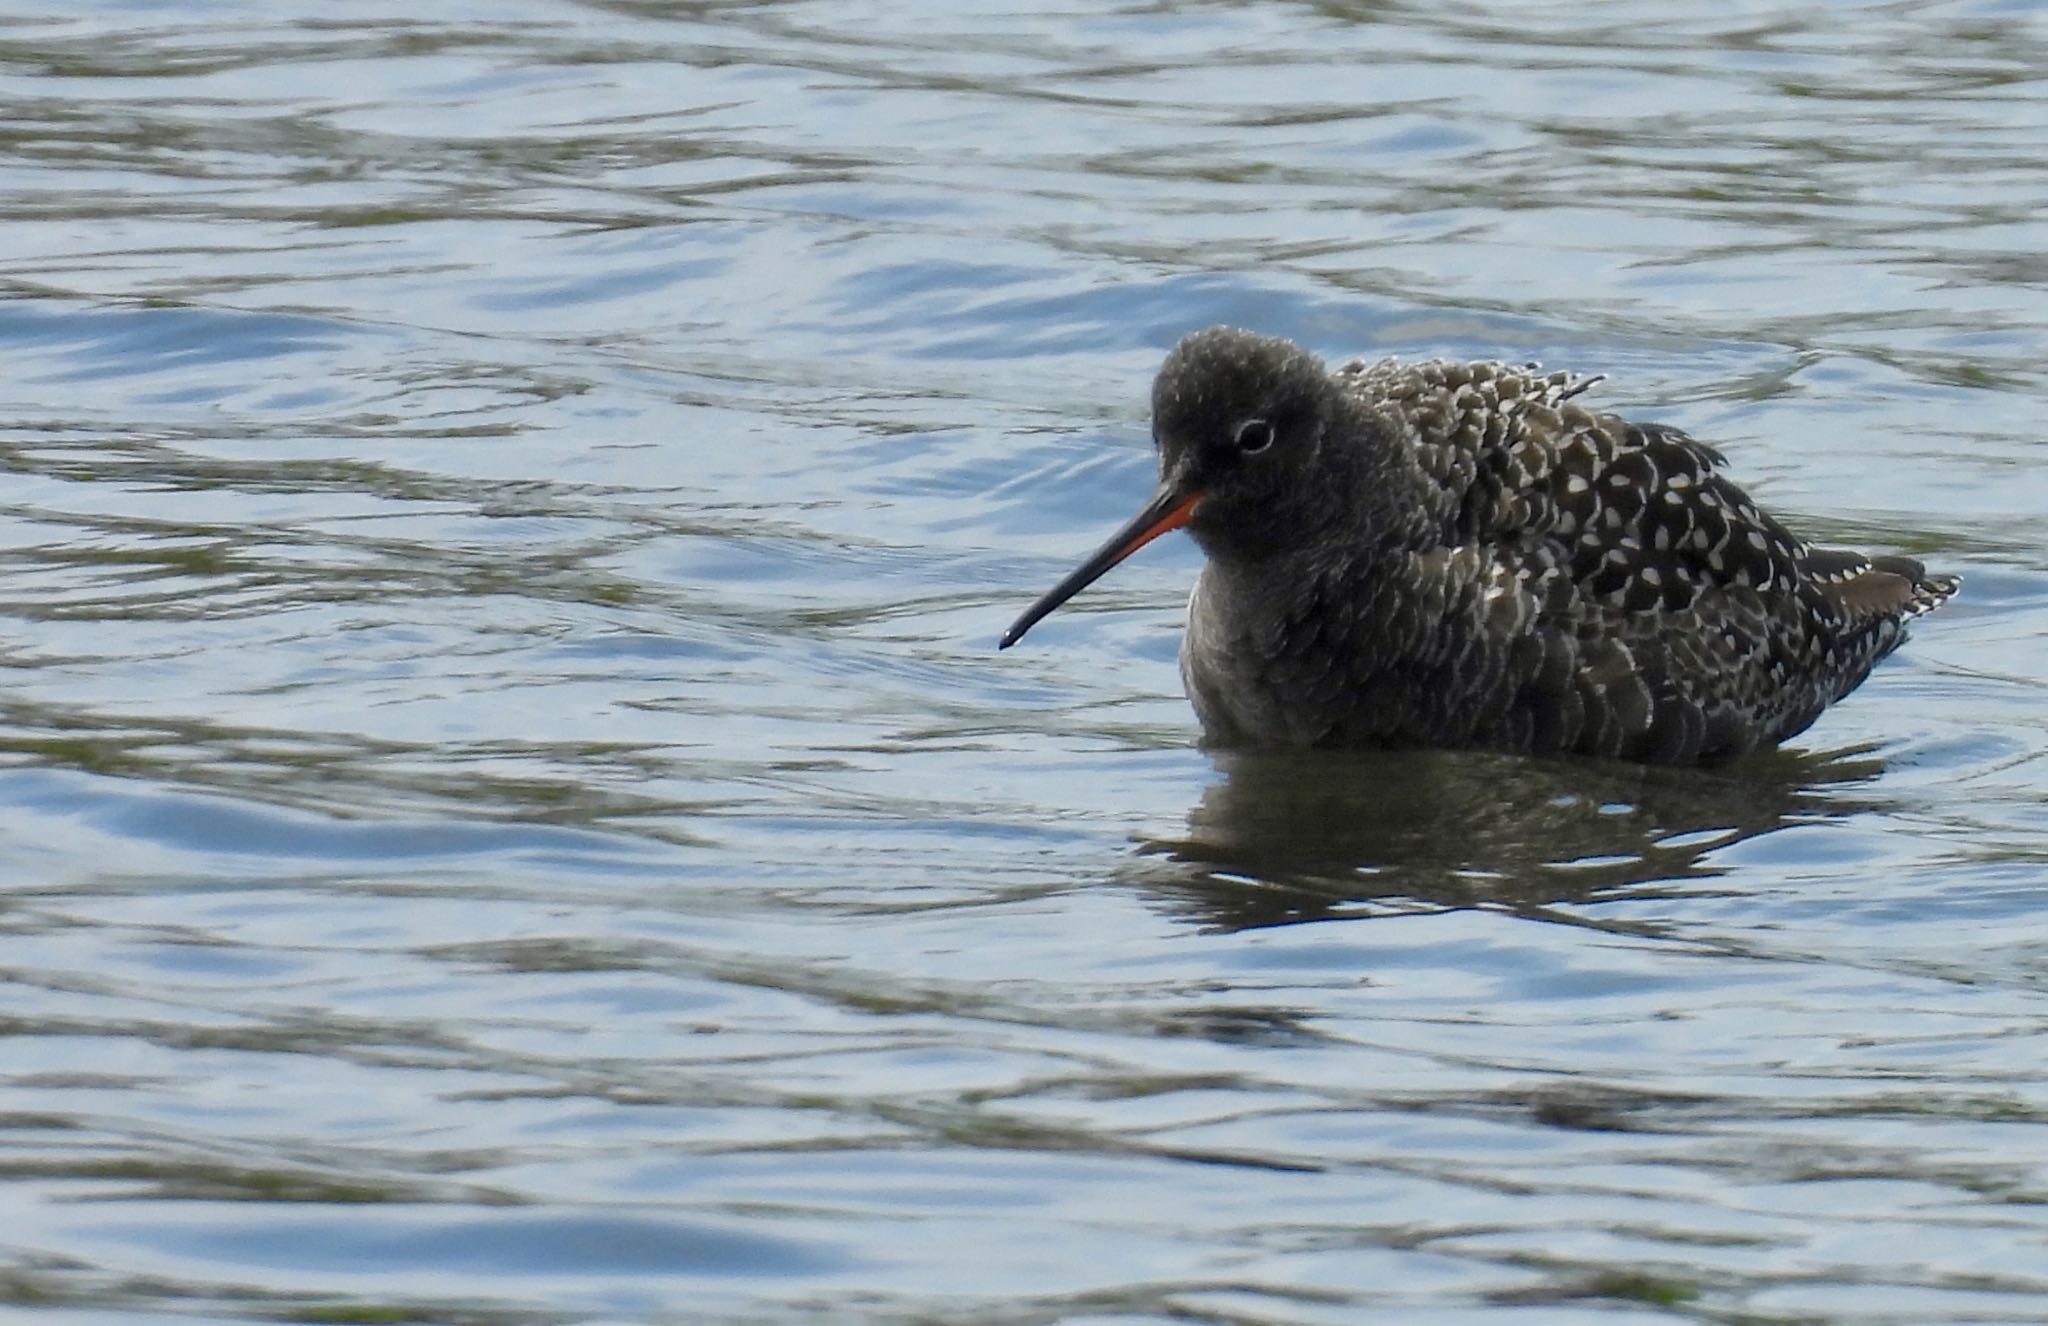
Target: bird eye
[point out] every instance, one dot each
(1254, 436)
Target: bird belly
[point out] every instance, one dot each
(1226, 684)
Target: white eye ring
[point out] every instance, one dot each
(1254, 436)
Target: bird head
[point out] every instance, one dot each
(1239, 420)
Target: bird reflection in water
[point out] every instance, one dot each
(1286, 837)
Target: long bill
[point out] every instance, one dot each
(1168, 510)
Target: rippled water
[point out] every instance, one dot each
(510, 812)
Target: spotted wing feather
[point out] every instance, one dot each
(1667, 614)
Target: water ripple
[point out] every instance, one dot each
(511, 810)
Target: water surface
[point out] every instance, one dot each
(509, 810)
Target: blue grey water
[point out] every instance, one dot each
(510, 811)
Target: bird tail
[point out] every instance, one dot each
(1924, 592)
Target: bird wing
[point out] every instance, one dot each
(1639, 517)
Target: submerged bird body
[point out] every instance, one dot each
(1444, 554)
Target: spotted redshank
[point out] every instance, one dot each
(1447, 554)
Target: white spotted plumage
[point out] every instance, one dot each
(1465, 554)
